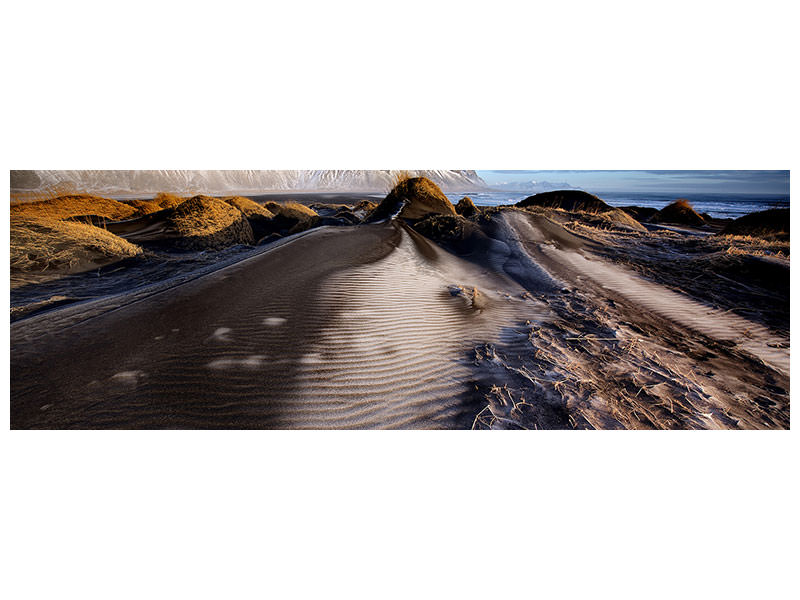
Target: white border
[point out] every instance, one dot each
(414, 85)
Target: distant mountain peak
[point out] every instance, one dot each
(122, 182)
(532, 186)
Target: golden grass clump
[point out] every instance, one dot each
(291, 210)
(46, 244)
(167, 200)
(466, 207)
(679, 212)
(144, 207)
(616, 217)
(248, 207)
(399, 177)
(414, 198)
(203, 223)
(63, 207)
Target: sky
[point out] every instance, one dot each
(723, 182)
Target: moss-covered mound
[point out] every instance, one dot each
(679, 212)
(73, 205)
(54, 246)
(205, 223)
(466, 207)
(413, 198)
(768, 224)
(571, 200)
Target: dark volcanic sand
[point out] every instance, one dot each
(375, 326)
(246, 346)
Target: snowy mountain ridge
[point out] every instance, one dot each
(120, 182)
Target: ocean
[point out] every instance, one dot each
(721, 206)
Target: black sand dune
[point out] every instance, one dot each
(375, 326)
(337, 328)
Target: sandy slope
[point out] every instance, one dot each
(342, 327)
(621, 351)
(673, 307)
(376, 327)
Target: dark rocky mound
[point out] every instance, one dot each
(769, 224)
(414, 198)
(466, 207)
(679, 212)
(640, 213)
(453, 232)
(571, 200)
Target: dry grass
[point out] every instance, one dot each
(167, 200)
(466, 207)
(203, 222)
(42, 244)
(416, 198)
(399, 177)
(616, 217)
(63, 207)
(248, 207)
(144, 207)
(679, 212)
(291, 210)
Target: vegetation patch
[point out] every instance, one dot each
(40, 244)
(63, 207)
(571, 200)
(203, 222)
(466, 207)
(679, 212)
(767, 224)
(413, 198)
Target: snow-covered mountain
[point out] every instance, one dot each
(226, 182)
(534, 187)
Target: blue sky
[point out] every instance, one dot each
(746, 182)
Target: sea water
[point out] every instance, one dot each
(720, 206)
